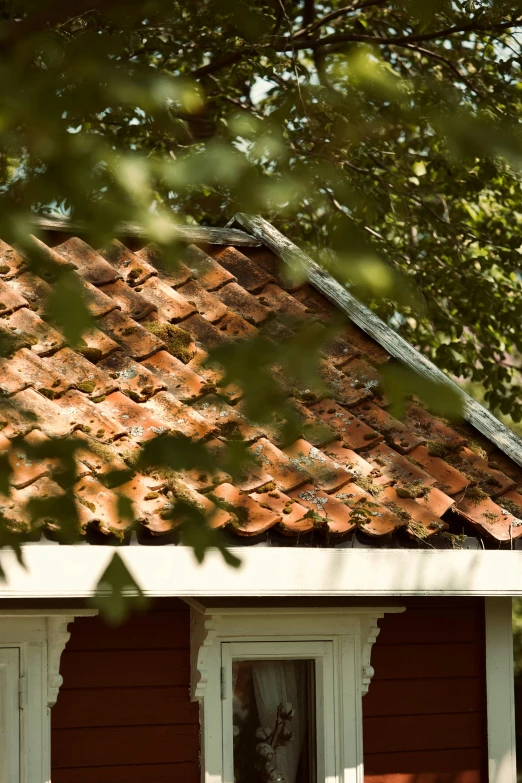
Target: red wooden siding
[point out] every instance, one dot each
(424, 715)
(123, 714)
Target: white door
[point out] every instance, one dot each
(9, 715)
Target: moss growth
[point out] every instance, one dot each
(417, 530)
(231, 430)
(511, 506)
(239, 513)
(92, 354)
(134, 273)
(370, 436)
(367, 484)
(436, 449)
(151, 495)
(178, 341)
(49, 393)
(86, 503)
(87, 386)
(101, 398)
(131, 394)
(4, 269)
(399, 512)
(475, 494)
(411, 490)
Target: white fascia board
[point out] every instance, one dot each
(73, 571)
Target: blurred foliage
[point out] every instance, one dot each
(383, 137)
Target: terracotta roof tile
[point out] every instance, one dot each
(10, 299)
(205, 334)
(251, 518)
(433, 430)
(25, 469)
(88, 417)
(248, 274)
(448, 478)
(81, 373)
(235, 327)
(33, 289)
(399, 468)
(353, 432)
(131, 336)
(489, 517)
(33, 411)
(475, 467)
(137, 421)
(178, 378)
(127, 299)
(232, 425)
(178, 417)
(270, 263)
(329, 514)
(327, 474)
(370, 515)
(292, 514)
(285, 473)
(284, 304)
(171, 306)
(132, 375)
(26, 369)
(244, 304)
(207, 272)
(394, 431)
(174, 273)
(353, 462)
(11, 262)
(14, 508)
(420, 521)
(90, 264)
(133, 267)
(206, 303)
(44, 338)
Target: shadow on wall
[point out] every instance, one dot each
(517, 654)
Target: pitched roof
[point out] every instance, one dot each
(140, 373)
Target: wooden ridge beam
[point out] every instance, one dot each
(192, 234)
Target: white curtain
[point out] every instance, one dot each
(278, 682)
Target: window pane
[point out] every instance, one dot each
(274, 721)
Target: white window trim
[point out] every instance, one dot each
(500, 691)
(41, 637)
(352, 632)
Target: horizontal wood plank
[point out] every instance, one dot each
(438, 625)
(424, 697)
(131, 706)
(137, 773)
(125, 746)
(422, 732)
(425, 661)
(148, 631)
(116, 668)
(456, 760)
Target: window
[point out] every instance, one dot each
(9, 719)
(281, 692)
(31, 642)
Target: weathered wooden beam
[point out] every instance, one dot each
(202, 234)
(482, 419)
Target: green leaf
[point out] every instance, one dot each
(118, 593)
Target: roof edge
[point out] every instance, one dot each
(482, 419)
(205, 234)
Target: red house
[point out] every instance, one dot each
(367, 630)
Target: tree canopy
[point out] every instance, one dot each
(382, 137)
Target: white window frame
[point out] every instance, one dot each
(217, 634)
(40, 638)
